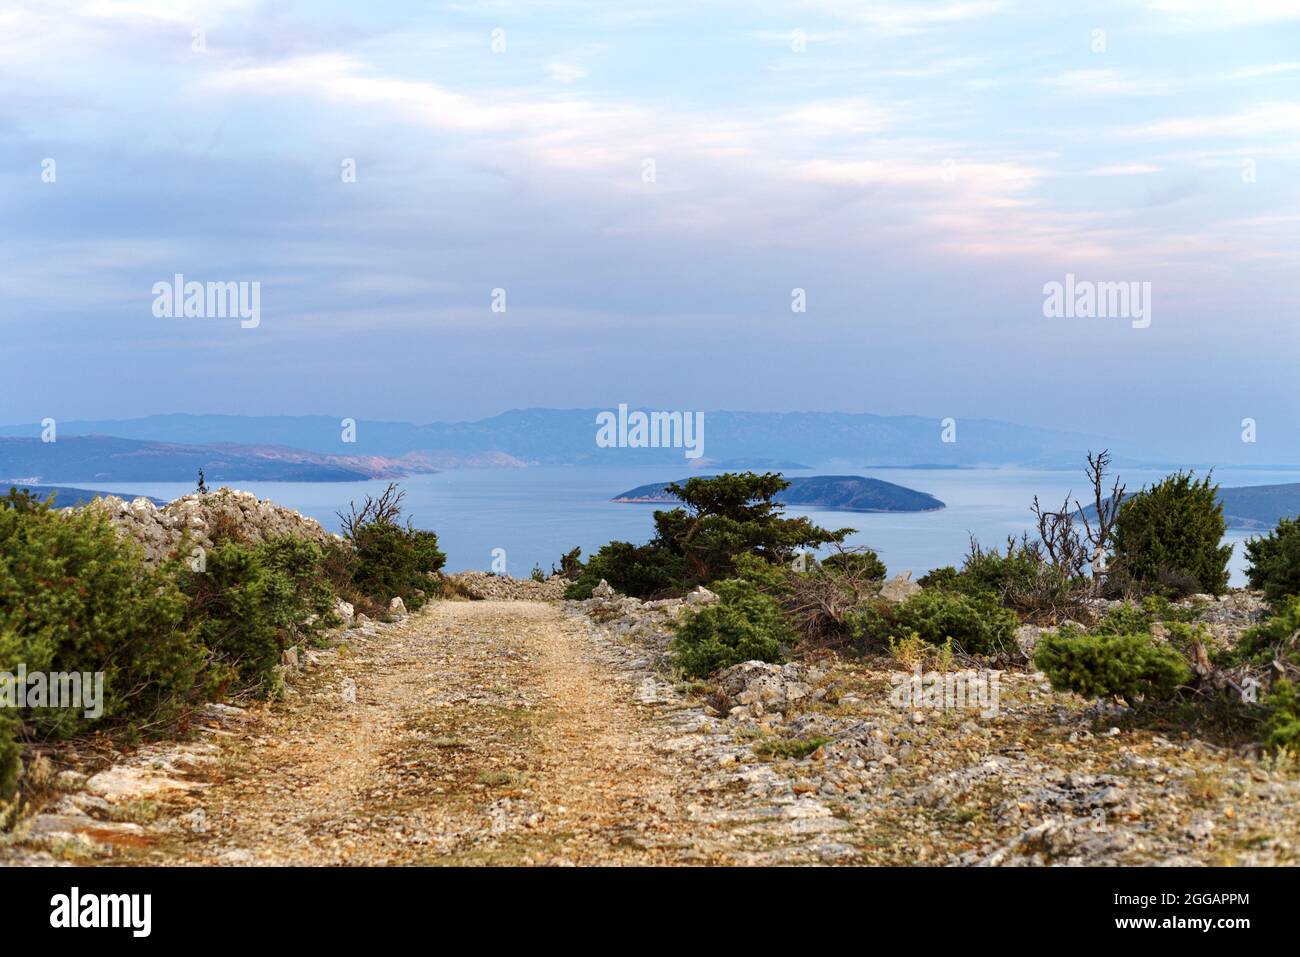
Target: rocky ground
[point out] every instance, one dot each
(526, 732)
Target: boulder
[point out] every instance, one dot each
(701, 596)
(603, 590)
(345, 611)
(397, 608)
(762, 687)
(899, 588)
(1027, 639)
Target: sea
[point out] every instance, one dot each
(533, 515)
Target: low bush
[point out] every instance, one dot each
(643, 571)
(1282, 726)
(391, 559)
(570, 565)
(1019, 578)
(1129, 666)
(817, 597)
(858, 564)
(1273, 561)
(11, 763)
(743, 625)
(976, 624)
(251, 601)
(77, 598)
(1277, 639)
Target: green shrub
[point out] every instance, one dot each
(1129, 618)
(1282, 726)
(990, 571)
(246, 613)
(947, 578)
(391, 559)
(1104, 665)
(395, 561)
(1167, 536)
(10, 757)
(817, 600)
(724, 517)
(743, 625)
(1274, 639)
(1274, 561)
(74, 597)
(303, 563)
(864, 564)
(570, 565)
(644, 571)
(975, 623)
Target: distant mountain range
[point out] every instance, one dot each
(568, 437)
(102, 458)
(848, 493)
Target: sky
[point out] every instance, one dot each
(650, 184)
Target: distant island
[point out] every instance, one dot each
(65, 497)
(842, 493)
(923, 467)
(1260, 506)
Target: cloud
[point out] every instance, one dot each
(1111, 83)
(1124, 169)
(565, 72)
(1211, 14)
(1263, 120)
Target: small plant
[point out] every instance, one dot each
(1131, 667)
(1282, 727)
(570, 565)
(744, 625)
(1277, 639)
(537, 574)
(793, 748)
(913, 650)
(975, 624)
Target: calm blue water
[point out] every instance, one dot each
(535, 514)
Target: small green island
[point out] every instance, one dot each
(844, 493)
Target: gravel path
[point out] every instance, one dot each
(517, 732)
(481, 732)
